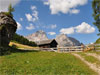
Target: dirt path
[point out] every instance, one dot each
(94, 55)
(92, 66)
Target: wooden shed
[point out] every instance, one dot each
(47, 44)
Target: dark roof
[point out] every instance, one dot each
(45, 42)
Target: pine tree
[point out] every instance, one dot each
(10, 10)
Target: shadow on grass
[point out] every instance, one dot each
(15, 50)
(9, 50)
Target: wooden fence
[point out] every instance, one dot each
(82, 48)
(64, 49)
(71, 49)
(96, 46)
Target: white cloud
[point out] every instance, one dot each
(5, 3)
(21, 19)
(64, 6)
(30, 27)
(74, 11)
(46, 3)
(67, 30)
(51, 33)
(84, 28)
(53, 26)
(19, 26)
(29, 17)
(34, 16)
(33, 7)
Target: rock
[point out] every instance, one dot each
(64, 41)
(61, 39)
(75, 42)
(37, 36)
(8, 27)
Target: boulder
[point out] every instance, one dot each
(8, 27)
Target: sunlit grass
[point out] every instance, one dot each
(21, 46)
(91, 59)
(43, 63)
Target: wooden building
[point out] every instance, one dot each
(47, 44)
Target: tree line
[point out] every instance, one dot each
(22, 40)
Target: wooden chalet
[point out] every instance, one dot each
(47, 44)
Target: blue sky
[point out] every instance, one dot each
(55, 17)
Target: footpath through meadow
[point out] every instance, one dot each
(91, 65)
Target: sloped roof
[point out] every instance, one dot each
(45, 42)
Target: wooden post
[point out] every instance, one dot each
(58, 49)
(94, 47)
(82, 47)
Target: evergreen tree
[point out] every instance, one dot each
(96, 13)
(10, 10)
(20, 39)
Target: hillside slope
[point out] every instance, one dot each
(97, 41)
(21, 46)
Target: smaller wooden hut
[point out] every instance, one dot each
(47, 44)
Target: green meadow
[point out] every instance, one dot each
(43, 63)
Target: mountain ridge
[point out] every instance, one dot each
(62, 39)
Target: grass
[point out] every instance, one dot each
(91, 59)
(43, 63)
(97, 52)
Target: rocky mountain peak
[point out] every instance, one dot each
(37, 36)
(40, 31)
(63, 40)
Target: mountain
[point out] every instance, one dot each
(37, 36)
(64, 41)
(75, 42)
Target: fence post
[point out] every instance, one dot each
(82, 47)
(58, 50)
(94, 47)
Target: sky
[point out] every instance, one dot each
(70, 17)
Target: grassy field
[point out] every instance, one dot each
(43, 63)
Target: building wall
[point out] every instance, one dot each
(53, 44)
(50, 45)
(44, 46)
